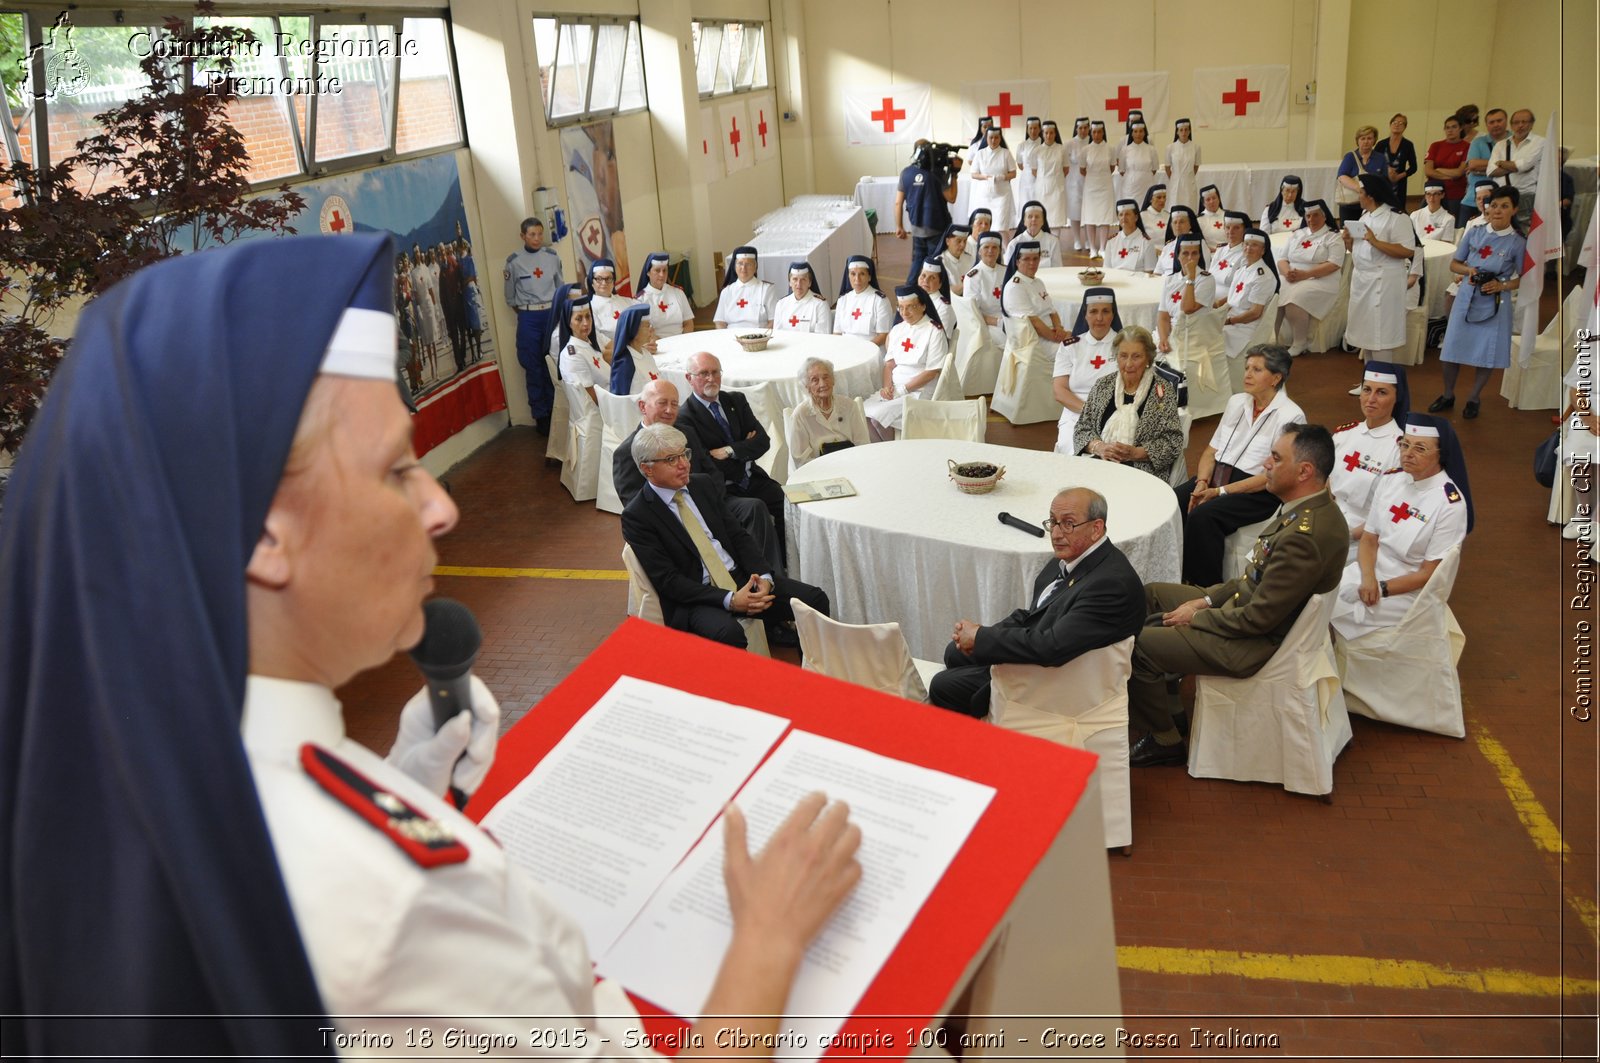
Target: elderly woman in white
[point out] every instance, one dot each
(916, 354)
(1312, 270)
(993, 169)
(1083, 359)
(824, 422)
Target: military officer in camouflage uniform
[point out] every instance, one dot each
(533, 276)
(1233, 628)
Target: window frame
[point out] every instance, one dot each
(586, 112)
(760, 64)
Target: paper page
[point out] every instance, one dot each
(816, 490)
(913, 821)
(1356, 228)
(620, 799)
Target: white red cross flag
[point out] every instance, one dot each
(710, 146)
(887, 114)
(1241, 97)
(734, 121)
(1009, 103)
(1109, 98)
(763, 127)
(1589, 259)
(1544, 242)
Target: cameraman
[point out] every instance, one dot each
(927, 188)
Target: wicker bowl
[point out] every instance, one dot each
(754, 341)
(1091, 276)
(975, 477)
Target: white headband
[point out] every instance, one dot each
(930, 267)
(363, 345)
(1426, 430)
(1095, 300)
(604, 271)
(1251, 238)
(799, 271)
(1380, 378)
(743, 254)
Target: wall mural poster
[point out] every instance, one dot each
(594, 198)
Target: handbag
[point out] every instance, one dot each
(1342, 196)
(1545, 458)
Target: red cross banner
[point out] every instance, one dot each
(763, 126)
(1241, 97)
(733, 119)
(710, 146)
(1109, 98)
(887, 114)
(1008, 102)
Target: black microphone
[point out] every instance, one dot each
(450, 643)
(1031, 529)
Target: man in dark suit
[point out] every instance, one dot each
(724, 420)
(704, 567)
(1233, 628)
(1087, 597)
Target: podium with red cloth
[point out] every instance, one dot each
(1017, 934)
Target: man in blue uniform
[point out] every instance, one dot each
(533, 275)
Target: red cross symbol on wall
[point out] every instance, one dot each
(733, 136)
(1097, 361)
(1122, 102)
(1351, 460)
(906, 344)
(1401, 512)
(1004, 110)
(1242, 96)
(337, 224)
(888, 114)
(794, 321)
(761, 126)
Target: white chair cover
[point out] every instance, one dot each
(646, 605)
(1083, 703)
(1539, 387)
(947, 385)
(580, 473)
(1199, 350)
(1236, 548)
(556, 444)
(619, 416)
(1022, 393)
(1416, 337)
(1264, 332)
(679, 379)
(1286, 724)
(767, 405)
(977, 355)
(967, 419)
(868, 655)
(1406, 674)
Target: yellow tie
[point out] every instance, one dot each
(702, 542)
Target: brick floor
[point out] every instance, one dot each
(1421, 856)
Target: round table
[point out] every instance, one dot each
(909, 547)
(857, 366)
(1138, 294)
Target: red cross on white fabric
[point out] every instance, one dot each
(1097, 361)
(1401, 512)
(794, 321)
(1239, 287)
(661, 306)
(337, 224)
(906, 344)
(596, 362)
(1177, 297)
(1351, 460)
(1427, 228)
(1288, 223)
(1123, 253)
(1161, 225)
(888, 114)
(741, 304)
(1216, 225)
(997, 293)
(1004, 110)
(654, 377)
(761, 127)
(733, 136)
(537, 272)
(1305, 243)
(1242, 96)
(1223, 264)
(856, 313)
(615, 314)
(1122, 102)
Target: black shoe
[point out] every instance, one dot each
(783, 635)
(1148, 753)
(1470, 410)
(541, 425)
(1441, 403)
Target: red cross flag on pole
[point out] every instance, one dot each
(733, 118)
(763, 127)
(887, 114)
(1007, 103)
(1544, 243)
(1109, 98)
(1241, 97)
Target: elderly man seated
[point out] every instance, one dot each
(1087, 597)
(1233, 628)
(736, 437)
(705, 568)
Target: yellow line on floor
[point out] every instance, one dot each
(1347, 970)
(1541, 828)
(532, 573)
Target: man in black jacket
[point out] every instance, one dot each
(1088, 597)
(704, 567)
(725, 421)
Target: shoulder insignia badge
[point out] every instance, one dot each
(425, 840)
(973, 272)
(1391, 472)
(1451, 492)
(1346, 427)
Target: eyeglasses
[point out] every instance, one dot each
(669, 459)
(1066, 526)
(706, 374)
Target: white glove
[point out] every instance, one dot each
(459, 753)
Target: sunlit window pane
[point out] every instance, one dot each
(707, 53)
(354, 120)
(610, 46)
(428, 116)
(632, 73)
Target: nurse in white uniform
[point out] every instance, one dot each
(862, 309)
(1153, 212)
(1365, 451)
(633, 361)
(1099, 159)
(670, 311)
(1253, 286)
(803, 310)
(1075, 164)
(606, 304)
(1083, 359)
(1049, 169)
(746, 301)
(1212, 224)
(1181, 221)
(1032, 138)
(1138, 163)
(1186, 290)
(992, 171)
(1431, 220)
(916, 354)
(1131, 249)
(1230, 256)
(1380, 259)
(957, 255)
(1283, 215)
(1312, 269)
(983, 285)
(1183, 166)
(581, 360)
(1036, 226)
(933, 279)
(1416, 516)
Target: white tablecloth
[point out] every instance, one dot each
(911, 548)
(878, 193)
(857, 368)
(1138, 294)
(1250, 186)
(821, 234)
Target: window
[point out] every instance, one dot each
(729, 57)
(588, 67)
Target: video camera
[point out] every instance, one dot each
(942, 159)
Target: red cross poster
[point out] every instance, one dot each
(887, 114)
(1009, 103)
(1109, 98)
(1241, 97)
(763, 126)
(733, 118)
(710, 146)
